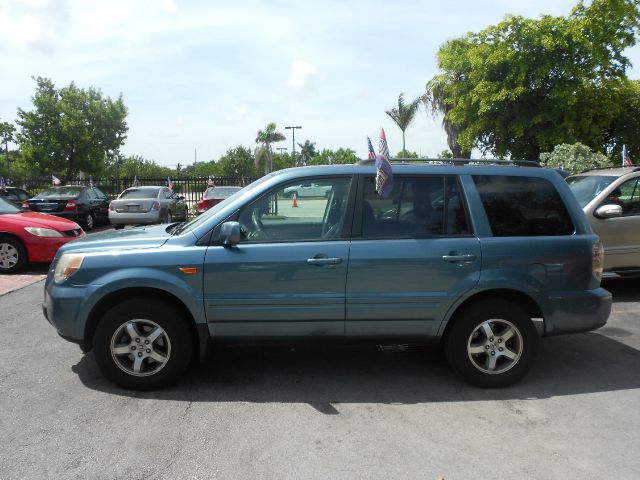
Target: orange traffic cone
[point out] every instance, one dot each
(295, 200)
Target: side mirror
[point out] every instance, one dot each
(229, 234)
(609, 210)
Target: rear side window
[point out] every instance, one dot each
(418, 207)
(523, 206)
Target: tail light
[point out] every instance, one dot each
(202, 205)
(155, 206)
(71, 205)
(111, 207)
(25, 205)
(598, 259)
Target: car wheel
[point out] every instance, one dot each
(13, 255)
(142, 344)
(492, 343)
(89, 221)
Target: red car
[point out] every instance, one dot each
(31, 237)
(213, 196)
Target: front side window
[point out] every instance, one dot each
(523, 206)
(418, 207)
(279, 217)
(627, 195)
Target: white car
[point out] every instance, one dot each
(310, 189)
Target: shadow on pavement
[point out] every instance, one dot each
(624, 290)
(325, 377)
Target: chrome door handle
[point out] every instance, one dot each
(324, 261)
(459, 258)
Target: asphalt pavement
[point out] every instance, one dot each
(318, 412)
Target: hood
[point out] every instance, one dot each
(135, 238)
(34, 219)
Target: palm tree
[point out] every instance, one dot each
(265, 138)
(403, 114)
(438, 100)
(307, 151)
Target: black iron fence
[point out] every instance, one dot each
(191, 188)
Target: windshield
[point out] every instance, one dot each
(186, 227)
(220, 192)
(60, 192)
(6, 207)
(586, 187)
(138, 193)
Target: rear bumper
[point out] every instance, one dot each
(573, 312)
(134, 218)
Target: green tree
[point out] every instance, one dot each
(238, 162)
(523, 86)
(307, 151)
(6, 135)
(404, 114)
(265, 138)
(135, 165)
(71, 129)
(333, 157)
(574, 158)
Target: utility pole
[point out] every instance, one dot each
(293, 131)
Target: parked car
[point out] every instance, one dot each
(214, 195)
(87, 206)
(31, 237)
(306, 189)
(14, 195)
(483, 259)
(610, 198)
(147, 205)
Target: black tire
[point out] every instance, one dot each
(13, 255)
(133, 364)
(169, 218)
(491, 344)
(89, 221)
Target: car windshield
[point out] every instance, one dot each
(186, 227)
(138, 193)
(587, 187)
(60, 192)
(220, 192)
(6, 207)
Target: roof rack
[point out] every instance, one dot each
(456, 161)
(634, 168)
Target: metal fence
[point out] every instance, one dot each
(191, 188)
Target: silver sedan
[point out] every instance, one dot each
(146, 205)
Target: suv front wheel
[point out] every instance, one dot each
(143, 345)
(492, 344)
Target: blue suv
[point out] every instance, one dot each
(483, 259)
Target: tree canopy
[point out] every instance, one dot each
(71, 129)
(404, 114)
(523, 86)
(574, 158)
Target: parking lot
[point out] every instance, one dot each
(294, 411)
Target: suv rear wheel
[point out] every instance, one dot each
(143, 344)
(492, 343)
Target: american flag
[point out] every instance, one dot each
(55, 180)
(383, 148)
(384, 175)
(626, 159)
(169, 183)
(372, 153)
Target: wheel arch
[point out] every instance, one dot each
(13, 236)
(199, 332)
(517, 297)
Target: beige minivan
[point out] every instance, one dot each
(611, 200)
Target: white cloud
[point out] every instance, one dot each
(168, 6)
(302, 76)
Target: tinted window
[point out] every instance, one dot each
(220, 192)
(418, 207)
(99, 193)
(275, 217)
(90, 193)
(629, 196)
(140, 193)
(523, 206)
(64, 192)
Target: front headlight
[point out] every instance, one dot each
(68, 264)
(43, 232)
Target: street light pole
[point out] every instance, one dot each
(293, 131)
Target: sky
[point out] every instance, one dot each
(202, 76)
